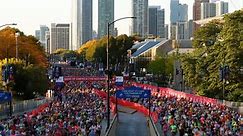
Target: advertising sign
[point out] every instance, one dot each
(133, 92)
(119, 80)
(5, 97)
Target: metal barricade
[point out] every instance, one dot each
(21, 106)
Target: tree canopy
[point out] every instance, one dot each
(95, 50)
(29, 76)
(28, 47)
(216, 45)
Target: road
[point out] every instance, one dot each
(132, 124)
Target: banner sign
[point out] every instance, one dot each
(119, 80)
(78, 78)
(60, 79)
(133, 92)
(171, 92)
(5, 97)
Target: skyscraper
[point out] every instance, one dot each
(59, 37)
(105, 15)
(156, 21)
(81, 26)
(184, 30)
(221, 8)
(174, 4)
(208, 10)
(43, 30)
(47, 35)
(197, 9)
(178, 13)
(37, 34)
(140, 24)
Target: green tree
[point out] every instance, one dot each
(162, 69)
(217, 44)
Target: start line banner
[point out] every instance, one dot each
(78, 78)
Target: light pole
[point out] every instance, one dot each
(107, 67)
(16, 36)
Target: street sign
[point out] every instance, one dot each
(5, 97)
(119, 80)
(133, 92)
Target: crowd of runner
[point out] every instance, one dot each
(82, 72)
(187, 118)
(75, 111)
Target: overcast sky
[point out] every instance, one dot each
(30, 14)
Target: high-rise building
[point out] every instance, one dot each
(161, 23)
(47, 35)
(184, 30)
(81, 26)
(178, 13)
(43, 29)
(59, 37)
(105, 15)
(140, 24)
(197, 12)
(174, 4)
(37, 34)
(156, 21)
(208, 10)
(197, 9)
(183, 12)
(221, 8)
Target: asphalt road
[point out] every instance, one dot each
(132, 124)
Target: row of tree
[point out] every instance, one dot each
(217, 44)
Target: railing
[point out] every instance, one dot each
(152, 128)
(112, 129)
(238, 106)
(20, 107)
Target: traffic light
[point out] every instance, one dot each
(177, 72)
(226, 72)
(11, 72)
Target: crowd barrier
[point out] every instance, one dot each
(22, 106)
(38, 110)
(129, 104)
(161, 91)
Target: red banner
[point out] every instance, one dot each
(128, 104)
(80, 78)
(161, 91)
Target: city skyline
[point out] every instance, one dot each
(30, 16)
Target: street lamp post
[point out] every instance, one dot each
(16, 36)
(107, 67)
